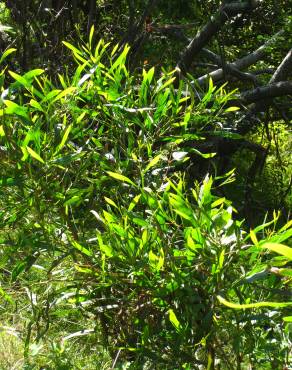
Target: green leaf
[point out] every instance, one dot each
(91, 36)
(111, 202)
(34, 154)
(64, 139)
(65, 92)
(221, 259)
(253, 237)
(73, 200)
(134, 202)
(173, 319)
(238, 306)
(140, 221)
(231, 109)
(6, 54)
(82, 249)
(153, 162)
(6, 296)
(8, 181)
(13, 108)
(120, 177)
(27, 79)
(72, 48)
(36, 105)
(279, 248)
(167, 83)
(287, 318)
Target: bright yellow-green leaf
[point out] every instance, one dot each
(238, 306)
(64, 138)
(153, 162)
(134, 202)
(2, 132)
(279, 248)
(232, 109)
(65, 92)
(36, 105)
(6, 53)
(120, 177)
(73, 200)
(170, 81)
(173, 319)
(111, 202)
(34, 154)
(156, 261)
(83, 250)
(287, 318)
(221, 259)
(253, 237)
(91, 36)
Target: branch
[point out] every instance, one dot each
(228, 67)
(209, 30)
(284, 69)
(242, 63)
(269, 91)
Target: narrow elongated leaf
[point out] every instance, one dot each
(72, 48)
(232, 109)
(13, 108)
(34, 154)
(111, 202)
(65, 92)
(6, 54)
(238, 306)
(120, 177)
(91, 36)
(153, 162)
(82, 249)
(64, 138)
(36, 105)
(279, 248)
(173, 319)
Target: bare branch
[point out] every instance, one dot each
(244, 62)
(284, 69)
(209, 30)
(229, 68)
(267, 92)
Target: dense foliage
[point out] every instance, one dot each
(123, 196)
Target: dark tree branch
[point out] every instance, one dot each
(209, 30)
(284, 70)
(229, 68)
(261, 105)
(241, 63)
(269, 91)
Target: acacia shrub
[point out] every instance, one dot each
(94, 196)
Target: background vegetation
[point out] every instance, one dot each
(145, 185)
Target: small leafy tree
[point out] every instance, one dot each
(97, 198)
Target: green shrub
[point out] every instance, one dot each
(101, 222)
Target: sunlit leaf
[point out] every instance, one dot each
(80, 248)
(253, 305)
(173, 319)
(120, 177)
(232, 109)
(34, 154)
(7, 53)
(279, 248)
(153, 162)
